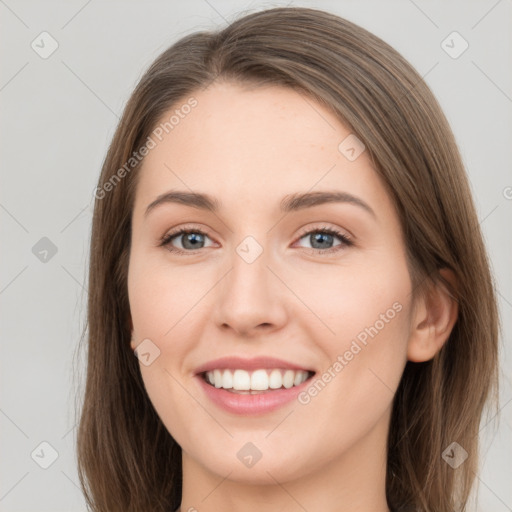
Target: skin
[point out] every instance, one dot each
(249, 147)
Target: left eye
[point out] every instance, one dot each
(191, 240)
(319, 237)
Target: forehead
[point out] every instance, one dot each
(253, 146)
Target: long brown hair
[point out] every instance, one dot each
(127, 460)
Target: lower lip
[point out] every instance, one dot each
(247, 404)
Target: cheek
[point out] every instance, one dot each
(362, 300)
(159, 297)
(159, 303)
(367, 310)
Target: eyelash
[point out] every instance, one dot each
(346, 241)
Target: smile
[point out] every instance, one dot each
(257, 381)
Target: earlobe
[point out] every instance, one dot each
(132, 341)
(433, 320)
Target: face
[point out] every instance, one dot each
(316, 286)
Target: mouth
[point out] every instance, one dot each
(255, 382)
(252, 386)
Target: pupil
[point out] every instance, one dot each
(319, 236)
(193, 239)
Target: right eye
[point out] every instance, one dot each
(189, 242)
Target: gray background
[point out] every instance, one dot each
(57, 117)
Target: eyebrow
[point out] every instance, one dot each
(290, 203)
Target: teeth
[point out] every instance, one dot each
(241, 380)
(288, 378)
(275, 380)
(258, 380)
(227, 380)
(217, 378)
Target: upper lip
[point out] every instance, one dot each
(254, 363)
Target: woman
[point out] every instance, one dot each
(269, 374)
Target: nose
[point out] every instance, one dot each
(251, 298)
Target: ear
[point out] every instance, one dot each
(132, 340)
(434, 316)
